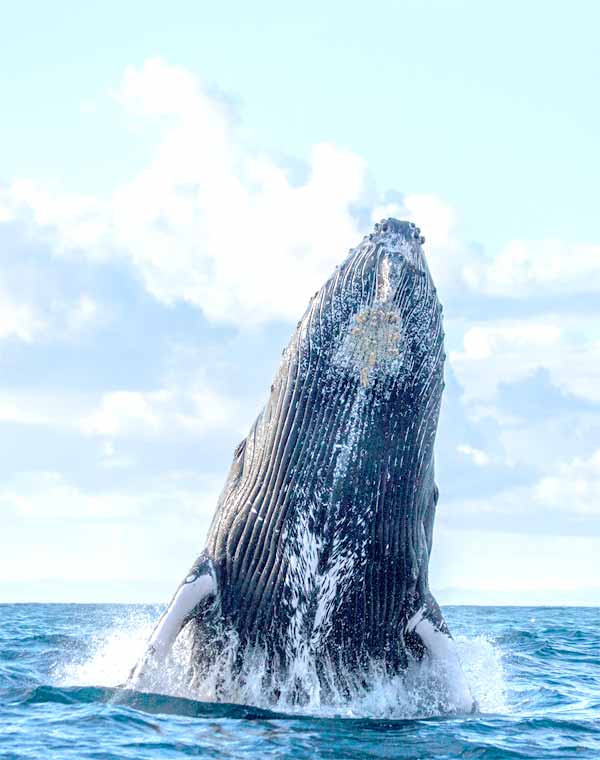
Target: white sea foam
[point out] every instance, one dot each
(422, 691)
(110, 654)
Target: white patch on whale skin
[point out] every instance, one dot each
(191, 592)
(315, 595)
(442, 648)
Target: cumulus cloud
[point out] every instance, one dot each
(450, 260)
(221, 225)
(216, 223)
(575, 487)
(509, 351)
(36, 304)
(137, 413)
(72, 221)
(126, 411)
(18, 320)
(566, 499)
(479, 457)
(210, 221)
(152, 531)
(39, 407)
(50, 495)
(514, 567)
(549, 267)
(84, 313)
(213, 222)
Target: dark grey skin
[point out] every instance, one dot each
(319, 548)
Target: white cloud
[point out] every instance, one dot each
(84, 313)
(222, 226)
(218, 224)
(49, 495)
(550, 267)
(34, 306)
(196, 409)
(137, 413)
(434, 215)
(149, 532)
(26, 407)
(79, 221)
(570, 495)
(574, 488)
(509, 351)
(210, 221)
(514, 568)
(479, 457)
(122, 412)
(112, 459)
(18, 320)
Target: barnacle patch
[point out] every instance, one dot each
(373, 344)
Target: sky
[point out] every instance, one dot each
(176, 180)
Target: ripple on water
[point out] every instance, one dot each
(537, 683)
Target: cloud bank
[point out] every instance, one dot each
(139, 328)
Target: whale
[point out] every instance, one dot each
(318, 552)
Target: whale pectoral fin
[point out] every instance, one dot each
(434, 639)
(198, 586)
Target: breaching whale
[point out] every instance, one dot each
(317, 556)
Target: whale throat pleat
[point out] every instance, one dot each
(323, 531)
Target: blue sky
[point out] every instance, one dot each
(176, 182)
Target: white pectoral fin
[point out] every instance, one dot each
(441, 647)
(192, 592)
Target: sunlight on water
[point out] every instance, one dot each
(424, 690)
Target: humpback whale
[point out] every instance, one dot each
(317, 556)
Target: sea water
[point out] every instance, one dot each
(535, 673)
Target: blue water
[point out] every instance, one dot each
(534, 671)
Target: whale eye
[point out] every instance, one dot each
(190, 578)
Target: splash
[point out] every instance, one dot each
(423, 690)
(109, 654)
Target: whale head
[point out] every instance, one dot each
(378, 318)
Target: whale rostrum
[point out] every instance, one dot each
(319, 548)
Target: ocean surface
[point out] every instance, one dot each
(534, 671)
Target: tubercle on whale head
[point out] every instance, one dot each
(392, 245)
(394, 233)
(391, 226)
